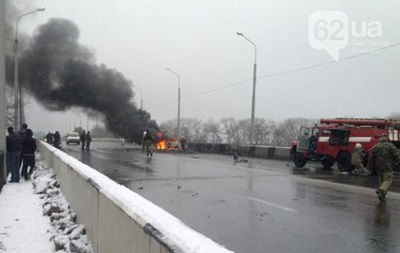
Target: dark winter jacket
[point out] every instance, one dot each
(57, 136)
(28, 146)
(88, 137)
(14, 142)
(82, 138)
(148, 137)
(22, 132)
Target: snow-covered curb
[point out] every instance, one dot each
(67, 235)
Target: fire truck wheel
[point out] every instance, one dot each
(344, 162)
(328, 162)
(299, 160)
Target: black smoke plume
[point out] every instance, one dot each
(60, 73)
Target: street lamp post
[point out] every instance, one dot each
(18, 99)
(253, 100)
(179, 101)
(141, 97)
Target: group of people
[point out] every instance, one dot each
(21, 147)
(85, 139)
(382, 159)
(54, 139)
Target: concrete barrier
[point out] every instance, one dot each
(117, 219)
(267, 152)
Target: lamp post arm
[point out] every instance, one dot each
(179, 78)
(21, 16)
(255, 48)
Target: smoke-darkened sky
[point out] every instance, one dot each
(60, 73)
(197, 39)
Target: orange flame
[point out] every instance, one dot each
(161, 145)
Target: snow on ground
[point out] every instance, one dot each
(23, 228)
(35, 217)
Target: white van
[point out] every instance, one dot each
(73, 137)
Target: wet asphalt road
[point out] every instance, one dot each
(259, 206)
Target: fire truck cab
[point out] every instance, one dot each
(333, 140)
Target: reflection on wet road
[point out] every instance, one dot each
(259, 206)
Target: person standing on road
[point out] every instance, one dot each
(88, 140)
(183, 144)
(357, 160)
(49, 138)
(56, 139)
(28, 154)
(14, 148)
(82, 138)
(22, 132)
(382, 158)
(148, 140)
(144, 135)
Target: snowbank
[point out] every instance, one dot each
(67, 235)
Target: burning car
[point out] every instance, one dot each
(167, 144)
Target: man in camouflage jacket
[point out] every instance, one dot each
(382, 158)
(357, 160)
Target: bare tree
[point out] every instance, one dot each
(394, 116)
(262, 131)
(228, 128)
(288, 130)
(236, 132)
(168, 127)
(192, 129)
(242, 132)
(211, 131)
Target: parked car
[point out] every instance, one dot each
(73, 137)
(173, 144)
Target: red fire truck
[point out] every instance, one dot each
(333, 140)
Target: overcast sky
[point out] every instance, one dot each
(197, 39)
